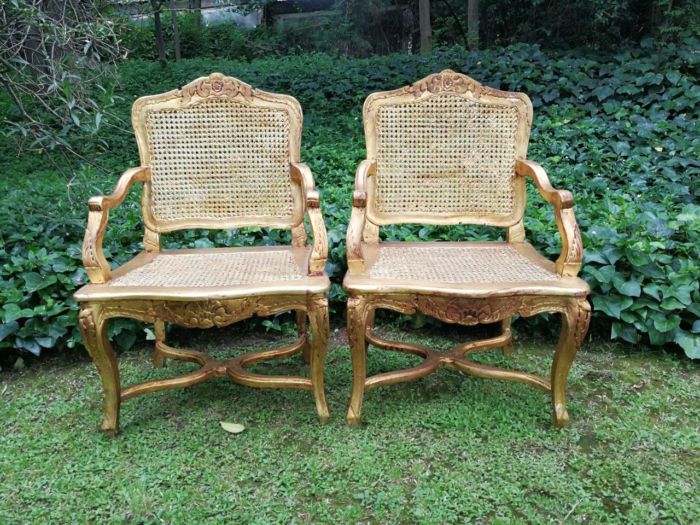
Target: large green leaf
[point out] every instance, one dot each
(630, 288)
(665, 322)
(612, 304)
(690, 343)
(8, 329)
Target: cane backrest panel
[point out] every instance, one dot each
(219, 154)
(445, 151)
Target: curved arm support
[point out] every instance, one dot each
(301, 174)
(569, 262)
(356, 263)
(94, 260)
(561, 199)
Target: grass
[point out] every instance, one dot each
(445, 449)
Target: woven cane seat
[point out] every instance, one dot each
(490, 267)
(223, 272)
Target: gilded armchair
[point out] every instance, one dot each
(447, 150)
(215, 154)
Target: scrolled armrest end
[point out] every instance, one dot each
(94, 260)
(359, 199)
(569, 262)
(313, 199)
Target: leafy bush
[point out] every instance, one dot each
(620, 131)
(599, 23)
(55, 72)
(197, 41)
(364, 28)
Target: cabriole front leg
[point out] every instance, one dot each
(575, 319)
(357, 322)
(93, 326)
(320, 329)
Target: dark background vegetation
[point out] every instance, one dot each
(616, 96)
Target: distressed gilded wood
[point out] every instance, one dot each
(448, 150)
(94, 261)
(571, 258)
(201, 167)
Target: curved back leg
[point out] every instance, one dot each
(505, 327)
(301, 328)
(158, 356)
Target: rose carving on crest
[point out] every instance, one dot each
(445, 82)
(217, 85)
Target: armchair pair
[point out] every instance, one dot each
(219, 154)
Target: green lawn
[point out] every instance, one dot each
(446, 449)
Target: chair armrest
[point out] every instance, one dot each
(301, 174)
(94, 260)
(353, 240)
(569, 262)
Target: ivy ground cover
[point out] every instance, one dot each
(619, 130)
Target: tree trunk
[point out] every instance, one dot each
(176, 33)
(426, 33)
(407, 30)
(196, 7)
(160, 41)
(473, 24)
(458, 23)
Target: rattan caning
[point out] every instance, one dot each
(219, 160)
(206, 270)
(457, 265)
(446, 155)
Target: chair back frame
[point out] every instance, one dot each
(451, 89)
(217, 88)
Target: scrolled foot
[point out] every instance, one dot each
(561, 416)
(353, 418)
(110, 427)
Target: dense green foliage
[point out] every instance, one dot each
(620, 131)
(447, 449)
(361, 29)
(570, 23)
(196, 41)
